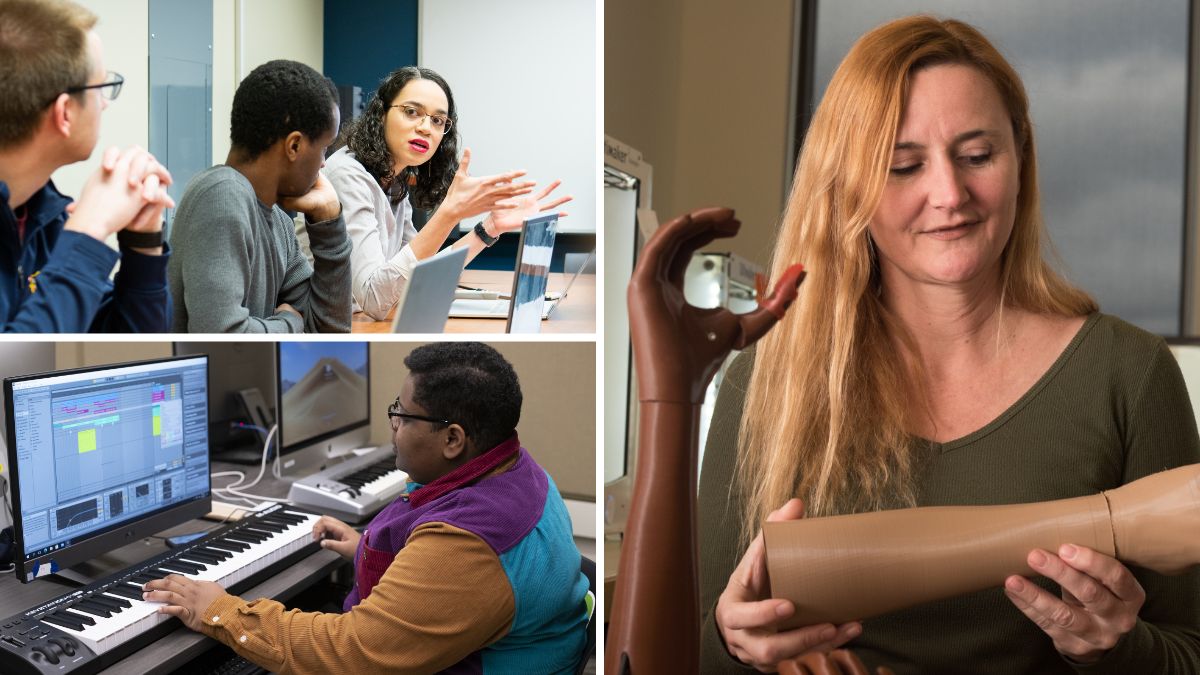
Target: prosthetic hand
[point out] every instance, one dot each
(678, 348)
(858, 566)
(655, 622)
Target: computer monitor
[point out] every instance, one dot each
(236, 367)
(324, 399)
(19, 358)
(103, 456)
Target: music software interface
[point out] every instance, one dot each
(101, 447)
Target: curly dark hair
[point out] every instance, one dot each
(365, 136)
(277, 98)
(470, 384)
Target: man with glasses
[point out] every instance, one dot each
(471, 569)
(55, 265)
(238, 267)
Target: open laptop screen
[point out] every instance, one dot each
(532, 274)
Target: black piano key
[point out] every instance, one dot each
(82, 617)
(198, 565)
(177, 567)
(219, 554)
(150, 574)
(91, 608)
(289, 524)
(246, 537)
(101, 599)
(200, 556)
(293, 518)
(65, 622)
(263, 532)
(264, 524)
(125, 590)
(235, 546)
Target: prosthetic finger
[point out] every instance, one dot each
(756, 324)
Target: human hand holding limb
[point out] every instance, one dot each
(1099, 604)
(336, 536)
(747, 618)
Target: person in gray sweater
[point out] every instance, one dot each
(237, 267)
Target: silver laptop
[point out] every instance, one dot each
(476, 304)
(529, 282)
(425, 301)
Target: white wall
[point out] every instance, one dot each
(702, 89)
(246, 33)
(123, 27)
(524, 79)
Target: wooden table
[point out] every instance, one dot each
(575, 314)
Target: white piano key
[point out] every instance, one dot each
(140, 616)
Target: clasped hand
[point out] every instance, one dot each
(1099, 604)
(128, 191)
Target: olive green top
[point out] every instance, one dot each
(1113, 408)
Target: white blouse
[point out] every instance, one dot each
(381, 259)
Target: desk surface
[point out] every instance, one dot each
(575, 314)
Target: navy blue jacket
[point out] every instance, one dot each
(57, 281)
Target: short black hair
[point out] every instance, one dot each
(426, 185)
(470, 384)
(277, 98)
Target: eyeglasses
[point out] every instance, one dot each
(394, 411)
(109, 89)
(440, 123)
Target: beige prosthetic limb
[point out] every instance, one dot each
(847, 568)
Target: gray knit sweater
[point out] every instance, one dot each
(236, 259)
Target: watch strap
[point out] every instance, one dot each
(127, 239)
(486, 238)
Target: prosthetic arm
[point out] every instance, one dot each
(854, 567)
(655, 622)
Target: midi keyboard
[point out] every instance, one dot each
(94, 626)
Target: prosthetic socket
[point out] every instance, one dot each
(854, 567)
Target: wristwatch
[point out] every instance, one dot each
(486, 238)
(127, 239)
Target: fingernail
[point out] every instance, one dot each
(1037, 559)
(827, 634)
(783, 609)
(1015, 584)
(854, 631)
(145, 594)
(1068, 551)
